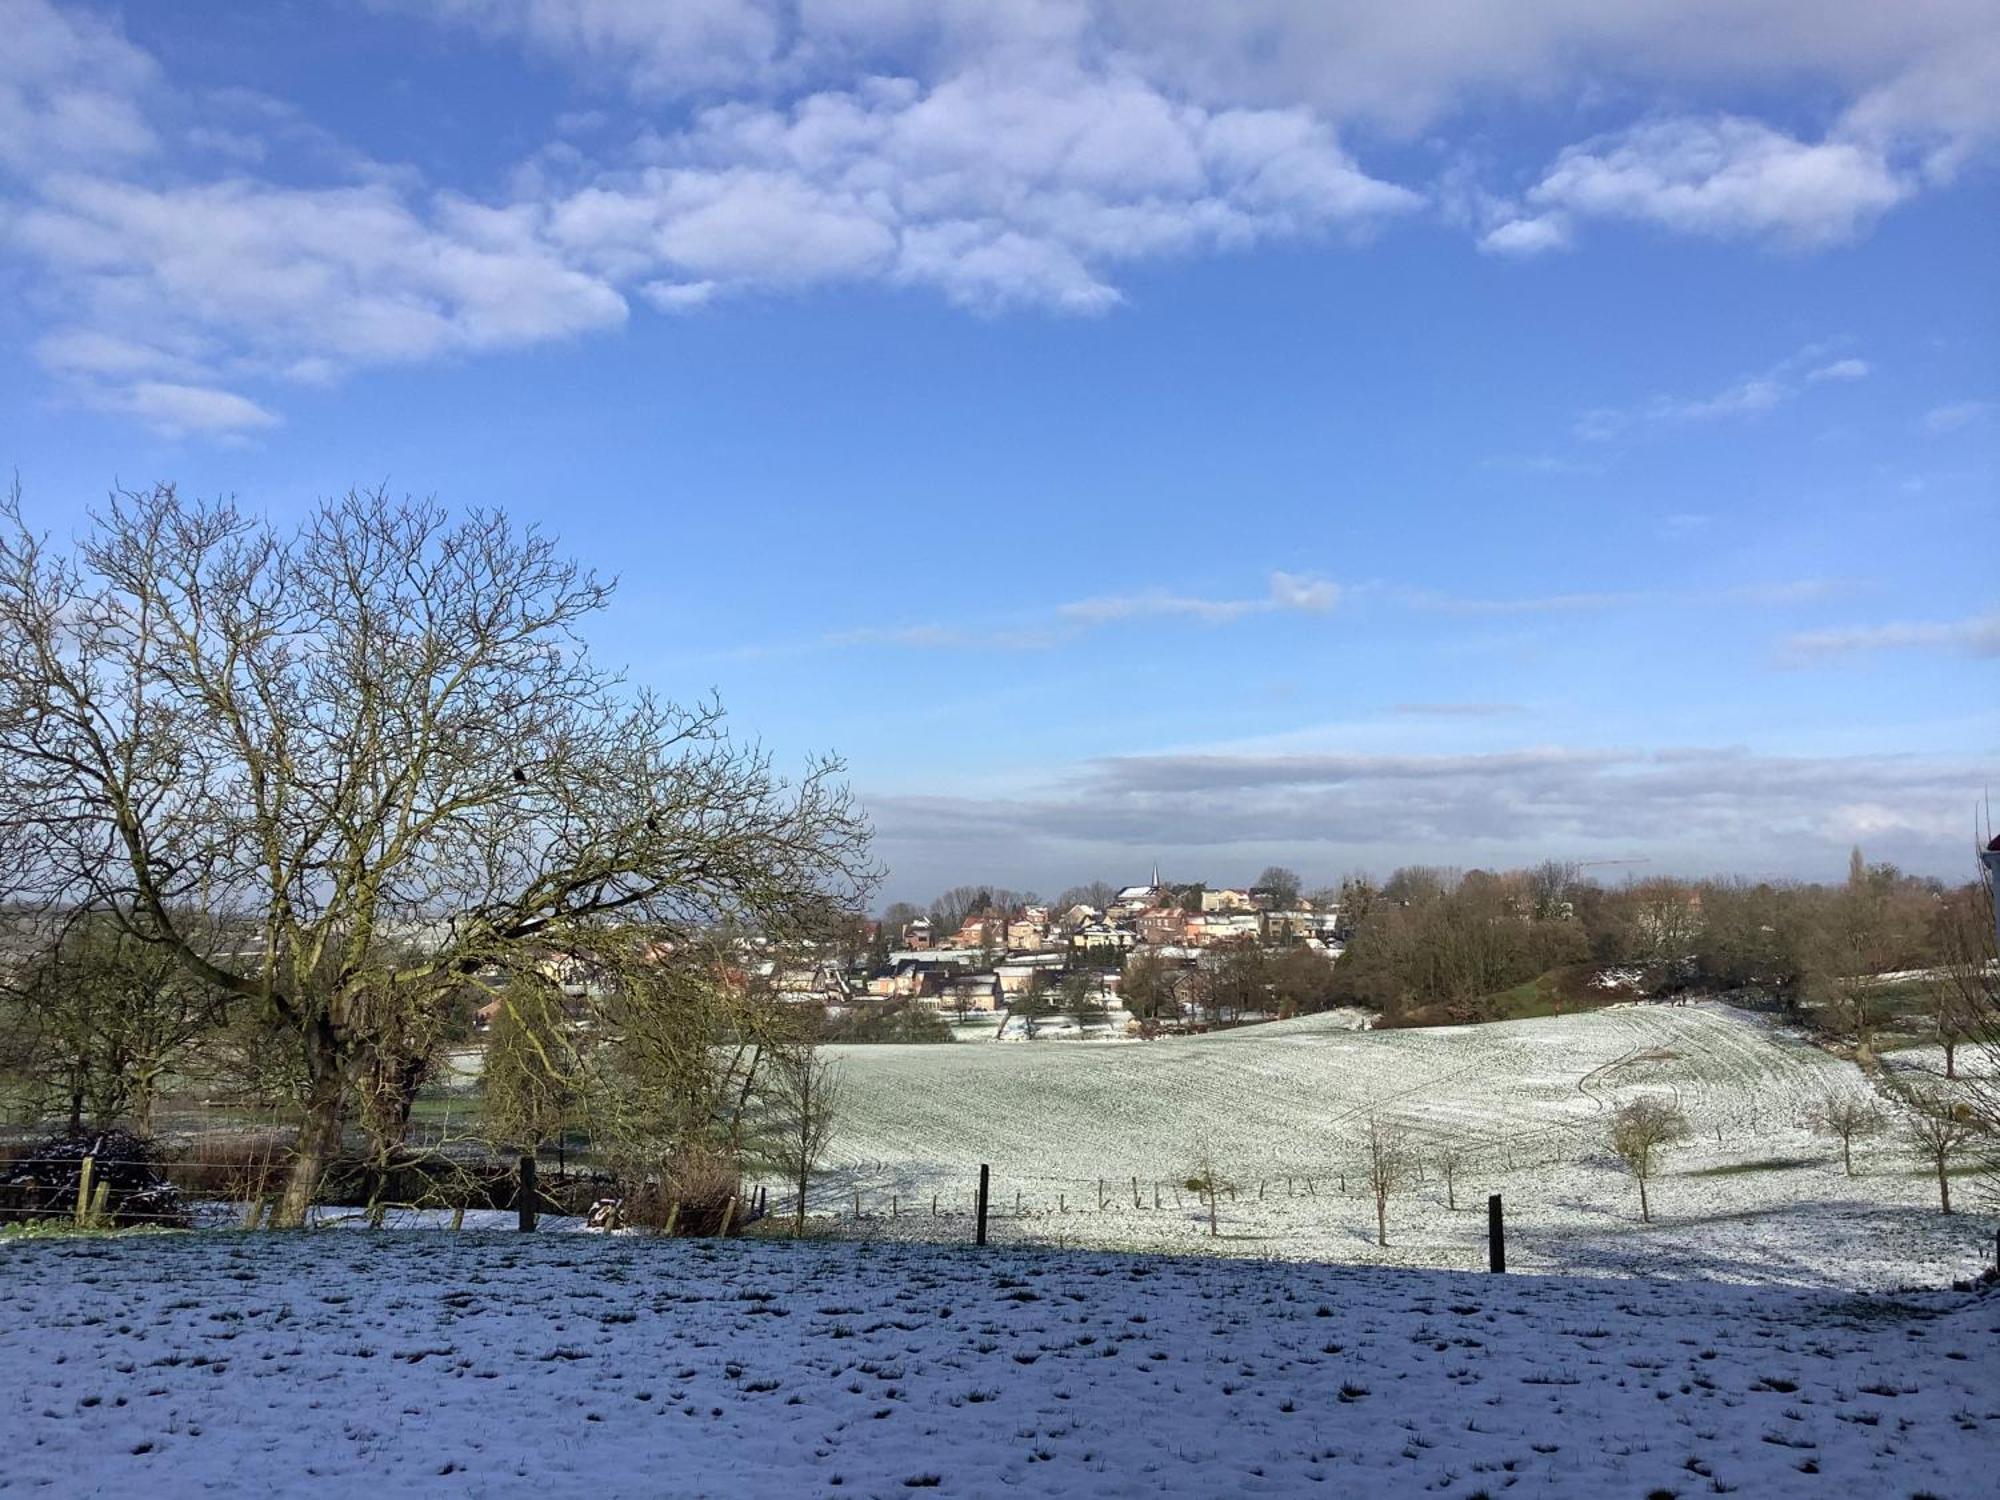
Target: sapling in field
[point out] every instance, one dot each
(1849, 1117)
(1449, 1159)
(1390, 1160)
(1207, 1179)
(806, 1092)
(1641, 1132)
(1939, 1128)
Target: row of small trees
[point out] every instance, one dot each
(1937, 1128)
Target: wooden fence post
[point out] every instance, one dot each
(524, 1196)
(83, 1192)
(1496, 1237)
(979, 1236)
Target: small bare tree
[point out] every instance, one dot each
(805, 1095)
(1449, 1159)
(1206, 1178)
(1938, 1129)
(1641, 1132)
(1390, 1160)
(1848, 1117)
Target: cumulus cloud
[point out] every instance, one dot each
(1530, 235)
(998, 188)
(239, 280)
(1725, 177)
(1001, 153)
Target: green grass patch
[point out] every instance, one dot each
(66, 1229)
(1559, 992)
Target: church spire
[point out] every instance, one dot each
(1156, 874)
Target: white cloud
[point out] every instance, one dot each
(1976, 636)
(1531, 235)
(1288, 591)
(174, 409)
(1954, 415)
(1725, 177)
(998, 188)
(1750, 396)
(70, 90)
(1003, 153)
(240, 279)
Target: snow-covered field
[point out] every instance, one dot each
(1754, 1195)
(486, 1364)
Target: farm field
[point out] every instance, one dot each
(421, 1363)
(1754, 1194)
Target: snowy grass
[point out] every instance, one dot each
(1755, 1195)
(511, 1365)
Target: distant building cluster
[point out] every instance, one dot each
(1032, 956)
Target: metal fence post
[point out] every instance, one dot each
(984, 1180)
(1496, 1237)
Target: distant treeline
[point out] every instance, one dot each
(1439, 944)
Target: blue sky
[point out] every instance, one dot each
(1467, 433)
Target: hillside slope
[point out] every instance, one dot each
(1755, 1193)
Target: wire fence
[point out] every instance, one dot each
(238, 1178)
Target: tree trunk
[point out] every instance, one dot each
(143, 1092)
(319, 1139)
(1381, 1220)
(1645, 1209)
(1847, 1155)
(799, 1215)
(76, 1111)
(1944, 1186)
(1213, 1231)
(1951, 1059)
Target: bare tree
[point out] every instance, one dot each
(1963, 981)
(805, 1094)
(1082, 999)
(1849, 1117)
(1390, 1160)
(1449, 1158)
(1147, 990)
(1641, 1132)
(378, 743)
(1939, 1128)
(104, 1019)
(1281, 886)
(530, 1077)
(1206, 1178)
